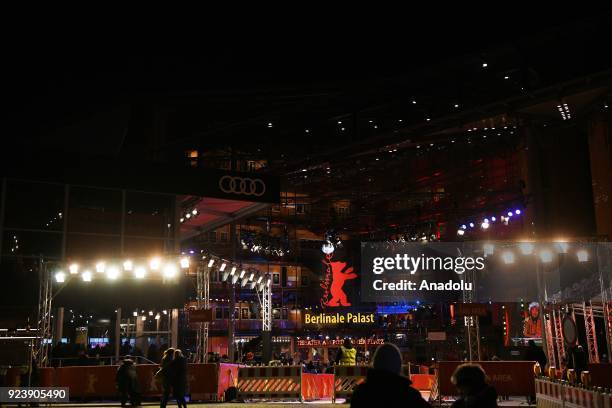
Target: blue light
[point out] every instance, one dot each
(471, 225)
(509, 213)
(463, 226)
(486, 221)
(517, 212)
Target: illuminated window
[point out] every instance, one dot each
(192, 156)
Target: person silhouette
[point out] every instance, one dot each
(339, 276)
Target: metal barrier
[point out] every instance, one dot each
(267, 382)
(560, 394)
(347, 378)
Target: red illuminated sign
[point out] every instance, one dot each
(333, 286)
(338, 342)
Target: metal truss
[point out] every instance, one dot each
(203, 302)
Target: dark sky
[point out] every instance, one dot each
(55, 70)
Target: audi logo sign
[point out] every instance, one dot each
(242, 186)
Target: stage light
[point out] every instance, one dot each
(464, 226)
(486, 220)
(251, 277)
(253, 285)
(471, 225)
(112, 273)
(188, 215)
(150, 313)
(157, 316)
(194, 211)
(413, 102)
(583, 255)
(484, 225)
(181, 219)
(86, 276)
(165, 312)
(493, 219)
(225, 276)
(128, 265)
(269, 281)
(222, 267)
(170, 271)
(211, 262)
(242, 273)
(460, 232)
(155, 263)
(184, 262)
(143, 318)
(140, 272)
(509, 213)
(234, 279)
(546, 256)
(484, 65)
(526, 248)
(74, 269)
(60, 277)
(508, 257)
(233, 271)
(259, 279)
(244, 282)
(456, 105)
(261, 287)
(517, 212)
(506, 77)
(135, 314)
(562, 247)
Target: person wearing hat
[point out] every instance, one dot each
(384, 384)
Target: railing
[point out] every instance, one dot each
(95, 361)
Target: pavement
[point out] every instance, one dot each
(514, 402)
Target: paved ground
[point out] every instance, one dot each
(518, 402)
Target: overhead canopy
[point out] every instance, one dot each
(215, 212)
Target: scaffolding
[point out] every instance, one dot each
(45, 299)
(591, 335)
(472, 327)
(558, 322)
(203, 303)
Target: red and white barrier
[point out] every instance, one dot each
(552, 394)
(348, 378)
(267, 382)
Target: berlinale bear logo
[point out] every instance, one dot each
(337, 274)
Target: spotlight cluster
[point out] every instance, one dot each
(487, 222)
(234, 274)
(544, 252)
(166, 268)
(191, 214)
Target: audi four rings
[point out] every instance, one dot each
(242, 185)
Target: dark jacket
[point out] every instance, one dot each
(485, 398)
(388, 390)
(127, 378)
(178, 368)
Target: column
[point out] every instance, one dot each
(174, 328)
(117, 333)
(58, 330)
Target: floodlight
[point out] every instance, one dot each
(155, 263)
(184, 262)
(140, 272)
(86, 276)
